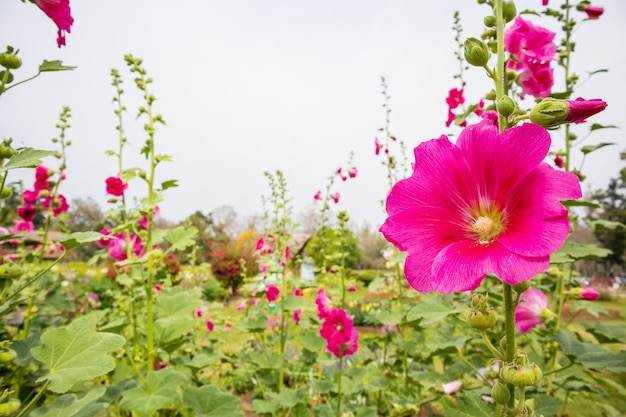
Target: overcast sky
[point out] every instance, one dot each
(253, 86)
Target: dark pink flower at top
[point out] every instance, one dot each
(544, 2)
(593, 12)
(528, 313)
(60, 13)
(336, 197)
(589, 294)
(352, 172)
(317, 196)
(455, 98)
(580, 109)
(27, 212)
(272, 293)
(378, 145)
(324, 304)
(487, 204)
(115, 186)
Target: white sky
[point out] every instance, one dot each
(251, 86)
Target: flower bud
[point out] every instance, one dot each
(7, 355)
(491, 95)
(587, 293)
(476, 52)
(580, 109)
(10, 60)
(550, 113)
(506, 106)
(5, 192)
(521, 372)
(520, 287)
(10, 270)
(508, 10)
(480, 320)
(490, 21)
(9, 76)
(7, 151)
(500, 393)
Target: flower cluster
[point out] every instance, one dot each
(337, 327)
(352, 172)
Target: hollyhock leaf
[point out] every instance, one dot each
(265, 407)
(77, 239)
(212, 401)
(595, 309)
(163, 392)
(267, 362)
(69, 405)
(598, 225)
(76, 353)
(175, 308)
(169, 184)
(597, 126)
(467, 404)
(590, 148)
(181, 237)
(254, 323)
(433, 309)
(322, 386)
(606, 333)
(579, 203)
(546, 405)
(287, 397)
(27, 158)
(572, 251)
(202, 360)
(48, 66)
(590, 355)
(312, 341)
(394, 316)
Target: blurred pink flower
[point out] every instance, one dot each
(352, 172)
(351, 288)
(589, 294)
(210, 326)
(22, 227)
(451, 387)
(558, 161)
(544, 2)
(580, 109)
(388, 328)
(528, 313)
(115, 186)
(117, 247)
(378, 145)
(324, 304)
(260, 243)
(297, 313)
(317, 196)
(241, 306)
(227, 327)
(263, 268)
(345, 349)
(336, 197)
(254, 301)
(593, 12)
(27, 212)
(42, 174)
(487, 204)
(60, 13)
(272, 293)
(30, 196)
(298, 292)
(287, 253)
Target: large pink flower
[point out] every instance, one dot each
(115, 186)
(486, 204)
(337, 327)
(528, 313)
(272, 293)
(345, 349)
(60, 13)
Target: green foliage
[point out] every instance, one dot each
(70, 405)
(163, 391)
(328, 245)
(213, 291)
(211, 401)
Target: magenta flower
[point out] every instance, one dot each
(263, 268)
(351, 288)
(272, 293)
(260, 243)
(580, 109)
(588, 294)
(336, 197)
(352, 172)
(345, 349)
(544, 2)
(297, 292)
(455, 98)
(486, 204)
(378, 145)
(30, 196)
(317, 196)
(117, 247)
(241, 306)
(388, 329)
(558, 161)
(115, 186)
(593, 12)
(254, 301)
(60, 13)
(529, 311)
(27, 212)
(324, 304)
(23, 227)
(337, 327)
(210, 326)
(297, 315)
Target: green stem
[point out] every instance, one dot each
(499, 74)
(509, 311)
(33, 401)
(490, 345)
(339, 381)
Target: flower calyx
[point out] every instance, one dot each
(521, 372)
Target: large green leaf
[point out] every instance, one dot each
(74, 240)
(76, 353)
(181, 237)
(27, 158)
(467, 405)
(163, 391)
(69, 405)
(607, 334)
(175, 311)
(433, 309)
(590, 355)
(572, 251)
(211, 401)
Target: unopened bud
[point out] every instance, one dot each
(10, 270)
(521, 376)
(490, 21)
(7, 355)
(500, 393)
(476, 52)
(508, 10)
(506, 106)
(480, 320)
(520, 287)
(10, 60)
(8, 75)
(550, 113)
(6, 192)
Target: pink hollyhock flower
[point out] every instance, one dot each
(30, 196)
(529, 311)
(351, 288)
(378, 145)
(27, 212)
(352, 172)
(324, 304)
(287, 253)
(558, 161)
(157, 289)
(115, 186)
(210, 326)
(485, 204)
(23, 227)
(227, 326)
(198, 312)
(42, 174)
(580, 109)
(593, 12)
(317, 196)
(451, 387)
(451, 118)
(336, 197)
(143, 220)
(339, 171)
(117, 247)
(297, 313)
(241, 306)
(263, 268)
(60, 13)
(544, 2)
(337, 327)
(272, 293)
(332, 270)
(254, 301)
(260, 243)
(455, 98)
(345, 349)
(537, 79)
(59, 204)
(588, 294)
(105, 242)
(298, 292)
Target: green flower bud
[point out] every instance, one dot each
(10, 60)
(550, 113)
(10, 270)
(521, 372)
(508, 10)
(7, 151)
(6, 192)
(481, 320)
(490, 95)
(521, 287)
(500, 393)
(490, 21)
(9, 76)
(7, 355)
(9, 407)
(506, 106)
(476, 52)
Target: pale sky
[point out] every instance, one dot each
(253, 86)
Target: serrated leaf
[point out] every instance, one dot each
(467, 405)
(48, 66)
(69, 405)
(180, 237)
(595, 309)
(254, 323)
(312, 341)
(287, 397)
(606, 334)
(432, 309)
(322, 385)
(394, 316)
(590, 355)
(546, 405)
(597, 126)
(76, 239)
(572, 251)
(162, 392)
(265, 407)
(203, 360)
(590, 148)
(76, 353)
(211, 401)
(597, 225)
(27, 158)
(169, 184)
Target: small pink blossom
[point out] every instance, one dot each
(254, 301)
(263, 268)
(558, 161)
(198, 312)
(528, 313)
(544, 2)
(60, 13)
(272, 293)
(298, 292)
(378, 145)
(241, 306)
(115, 186)
(27, 212)
(451, 387)
(336, 197)
(30, 196)
(287, 253)
(580, 109)
(157, 289)
(227, 326)
(352, 172)
(593, 12)
(317, 196)
(260, 243)
(351, 288)
(455, 98)
(324, 304)
(589, 294)
(23, 227)
(210, 326)
(487, 204)
(388, 329)
(297, 313)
